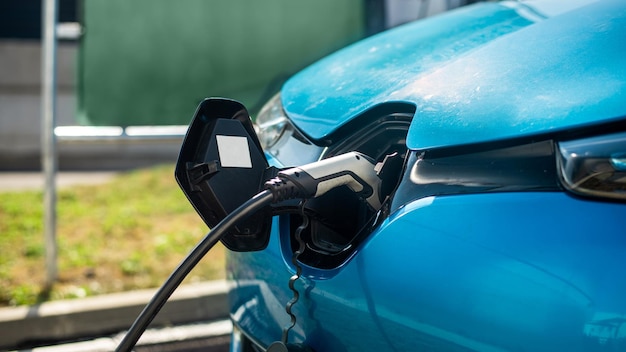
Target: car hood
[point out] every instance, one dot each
(477, 74)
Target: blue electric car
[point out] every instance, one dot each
(496, 220)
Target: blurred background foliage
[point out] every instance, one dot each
(128, 233)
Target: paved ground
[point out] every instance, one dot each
(201, 336)
(99, 322)
(18, 181)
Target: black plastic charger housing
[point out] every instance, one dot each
(220, 166)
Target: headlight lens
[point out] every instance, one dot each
(595, 166)
(271, 122)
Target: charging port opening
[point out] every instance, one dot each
(339, 221)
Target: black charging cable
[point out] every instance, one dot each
(146, 316)
(277, 189)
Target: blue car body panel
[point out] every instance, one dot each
(473, 82)
(567, 72)
(370, 71)
(471, 282)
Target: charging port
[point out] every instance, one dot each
(339, 221)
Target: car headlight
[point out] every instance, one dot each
(271, 122)
(595, 166)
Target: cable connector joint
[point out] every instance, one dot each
(283, 189)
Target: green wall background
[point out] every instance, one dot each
(150, 62)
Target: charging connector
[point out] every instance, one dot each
(354, 170)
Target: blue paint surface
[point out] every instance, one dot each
(479, 74)
(332, 91)
(484, 279)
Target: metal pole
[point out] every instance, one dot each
(48, 141)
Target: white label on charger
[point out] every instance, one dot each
(234, 151)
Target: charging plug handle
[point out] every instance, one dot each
(354, 170)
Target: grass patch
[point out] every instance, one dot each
(129, 233)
